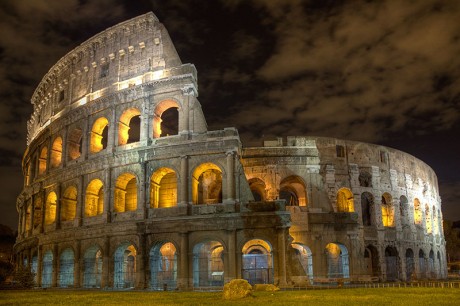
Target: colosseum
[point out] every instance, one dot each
(125, 187)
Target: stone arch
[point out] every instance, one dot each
(50, 208)
(43, 160)
(69, 204)
(365, 179)
(367, 206)
(337, 261)
(404, 210)
(124, 274)
(388, 211)
(207, 184)
(208, 264)
(440, 274)
(163, 266)
(47, 269)
(167, 127)
(428, 220)
(34, 266)
(38, 210)
(94, 201)
(371, 260)
(304, 255)
(422, 264)
(293, 190)
(410, 264)
(99, 135)
(56, 152)
(431, 268)
(125, 194)
(392, 263)
(258, 189)
(74, 144)
(92, 269)
(417, 211)
(28, 215)
(163, 188)
(66, 268)
(257, 262)
(345, 200)
(129, 126)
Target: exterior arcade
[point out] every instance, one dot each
(126, 188)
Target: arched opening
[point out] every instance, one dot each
(29, 215)
(37, 211)
(257, 187)
(404, 210)
(99, 135)
(431, 269)
(42, 162)
(34, 267)
(345, 200)
(207, 184)
(74, 144)
(33, 165)
(163, 188)
(410, 265)
(129, 126)
(371, 260)
(66, 267)
(440, 274)
(166, 119)
(92, 273)
(94, 203)
(56, 153)
(388, 212)
(47, 269)
(434, 221)
(365, 179)
(392, 263)
(257, 262)
(50, 208)
(304, 256)
(163, 266)
(367, 205)
(125, 193)
(69, 204)
(417, 212)
(293, 191)
(124, 274)
(337, 261)
(208, 264)
(421, 264)
(428, 223)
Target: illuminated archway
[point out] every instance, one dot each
(69, 204)
(367, 205)
(37, 211)
(428, 221)
(292, 189)
(392, 263)
(417, 212)
(166, 119)
(50, 208)
(388, 212)
(345, 200)
(74, 144)
(99, 135)
(47, 269)
(257, 260)
(124, 274)
(207, 184)
(163, 188)
(304, 256)
(129, 126)
(125, 197)
(258, 189)
(92, 273)
(42, 162)
(94, 203)
(56, 153)
(337, 261)
(163, 266)
(66, 268)
(208, 264)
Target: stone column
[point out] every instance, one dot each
(231, 267)
(141, 263)
(184, 180)
(32, 215)
(183, 280)
(230, 177)
(42, 221)
(80, 202)
(39, 265)
(109, 199)
(105, 282)
(282, 256)
(56, 266)
(58, 206)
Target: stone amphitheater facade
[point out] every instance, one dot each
(126, 188)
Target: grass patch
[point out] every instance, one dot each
(357, 296)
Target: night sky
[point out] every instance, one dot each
(385, 72)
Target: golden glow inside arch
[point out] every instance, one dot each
(293, 190)
(418, 216)
(207, 184)
(163, 188)
(96, 141)
(56, 153)
(50, 208)
(74, 144)
(69, 204)
(159, 109)
(42, 162)
(345, 200)
(125, 193)
(258, 189)
(124, 125)
(388, 212)
(94, 203)
(258, 244)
